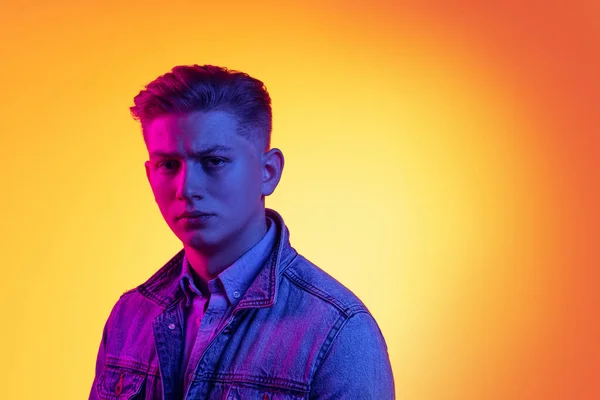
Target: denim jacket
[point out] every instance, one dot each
(297, 333)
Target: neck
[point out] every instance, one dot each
(209, 263)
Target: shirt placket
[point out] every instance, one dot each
(206, 323)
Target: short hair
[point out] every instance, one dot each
(191, 88)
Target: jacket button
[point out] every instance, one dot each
(171, 326)
(236, 294)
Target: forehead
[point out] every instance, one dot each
(194, 131)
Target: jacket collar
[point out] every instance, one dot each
(163, 287)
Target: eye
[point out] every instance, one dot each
(168, 165)
(213, 162)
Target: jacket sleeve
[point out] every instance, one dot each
(357, 364)
(99, 364)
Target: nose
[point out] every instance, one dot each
(191, 183)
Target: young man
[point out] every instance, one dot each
(237, 313)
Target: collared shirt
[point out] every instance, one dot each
(206, 308)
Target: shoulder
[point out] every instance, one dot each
(131, 305)
(346, 329)
(152, 296)
(321, 286)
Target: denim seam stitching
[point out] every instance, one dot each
(280, 383)
(132, 366)
(326, 346)
(347, 310)
(293, 260)
(100, 386)
(161, 274)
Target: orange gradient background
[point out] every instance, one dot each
(441, 161)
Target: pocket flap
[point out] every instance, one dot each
(238, 392)
(119, 384)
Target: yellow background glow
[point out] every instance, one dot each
(441, 162)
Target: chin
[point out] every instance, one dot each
(201, 243)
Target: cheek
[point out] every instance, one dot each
(250, 184)
(162, 194)
(240, 188)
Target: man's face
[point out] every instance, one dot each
(200, 164)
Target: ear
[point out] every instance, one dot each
(147, 166)
(272, 168)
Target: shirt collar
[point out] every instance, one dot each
(187, 283)
(236, 278)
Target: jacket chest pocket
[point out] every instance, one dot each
(119, 384)
(237, 392)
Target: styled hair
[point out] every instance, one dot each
(190, 88)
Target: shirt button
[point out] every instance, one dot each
(171, 326)
(236, 294)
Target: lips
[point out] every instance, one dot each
(194, 214)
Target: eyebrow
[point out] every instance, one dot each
(201, 152)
